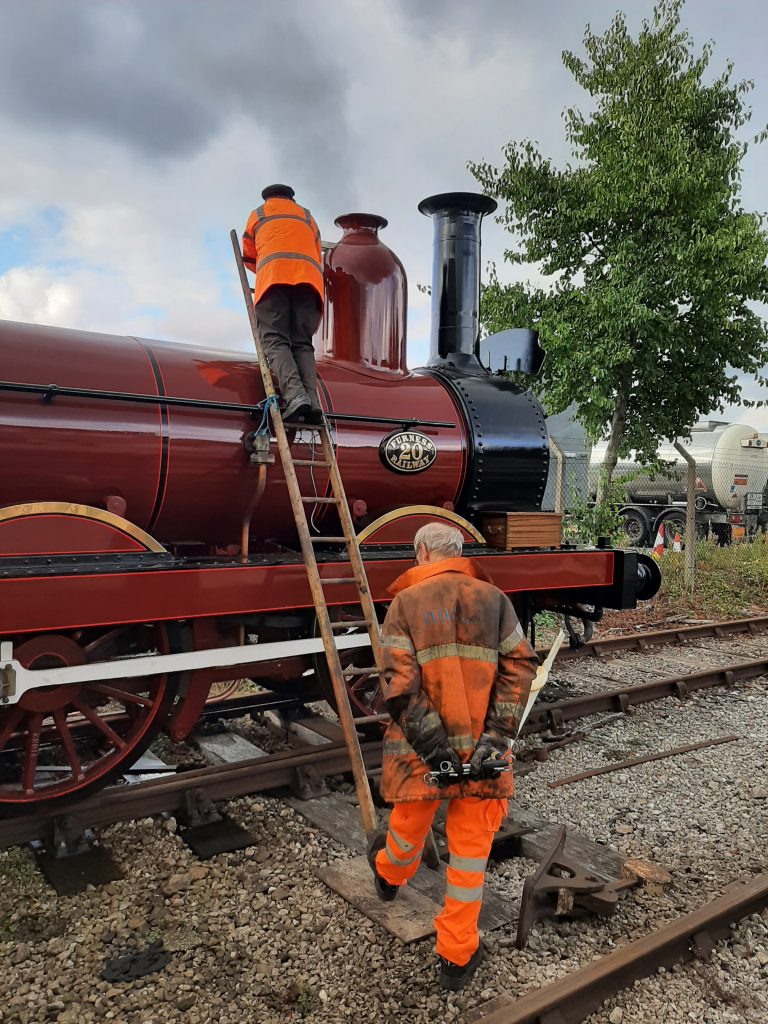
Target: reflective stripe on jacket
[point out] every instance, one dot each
(281, 245)
(454, 654)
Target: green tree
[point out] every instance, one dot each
(651, 259)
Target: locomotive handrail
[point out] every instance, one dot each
(51, 391)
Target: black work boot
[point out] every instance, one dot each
(378, 841)
(297, 409)
(455, 976)
(315, 414)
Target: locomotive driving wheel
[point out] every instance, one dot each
(364, 689)
(62, 742)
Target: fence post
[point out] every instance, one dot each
(559, 474)
(690, 517)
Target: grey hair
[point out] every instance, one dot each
(444, 540)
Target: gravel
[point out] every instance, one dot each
(255, 937)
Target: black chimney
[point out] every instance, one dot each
(456, 277)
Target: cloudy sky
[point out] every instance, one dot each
(136, 133)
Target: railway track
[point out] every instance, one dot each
(215, 782)
(329, 757)
(654, 638)
(243, 704)
(567, 1001)
(574, 997)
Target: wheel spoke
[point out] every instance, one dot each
(121, 696)
(13, 719)
(95, 647)
(96, 720)
(363, 685)
(60, 721)
(31, 750)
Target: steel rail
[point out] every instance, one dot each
(221, 782)
(632, 762)
(556, 714)
(572, 998)
(642, 641)
(217, 782)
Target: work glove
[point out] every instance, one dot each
(489, 747)
(439, 760)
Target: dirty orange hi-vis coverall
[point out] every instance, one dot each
(456, 666)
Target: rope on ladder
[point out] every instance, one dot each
(269, 405)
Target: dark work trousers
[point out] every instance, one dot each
(288, 315)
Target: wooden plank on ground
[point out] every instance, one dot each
(409, 918)
(599, 860)
(335, 816)
(339, 819)
(316, 729)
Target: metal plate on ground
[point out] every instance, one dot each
(216, 837)
(226, 747)
(70, 875)
(409, 917)
(148, 768)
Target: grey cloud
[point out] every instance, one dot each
(164, 78)
(488, 25)
(70, 66)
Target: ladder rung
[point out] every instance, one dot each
(353, 670)
(310, 462)
(338, 579)
(328, 540)
(319, 501)
(351, 624)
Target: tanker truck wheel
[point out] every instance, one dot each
(61, 743)
(635, 526)
(364, 690)
(671, 523)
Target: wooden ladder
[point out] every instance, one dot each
(348, 540)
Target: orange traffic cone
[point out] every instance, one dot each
(658, 547)
(677, 546)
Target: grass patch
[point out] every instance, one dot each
(729, 582)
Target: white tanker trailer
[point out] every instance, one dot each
(731, 479)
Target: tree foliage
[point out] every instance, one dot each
(653, 263)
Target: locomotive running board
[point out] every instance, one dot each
(15, 680)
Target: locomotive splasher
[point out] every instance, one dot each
(146, 552)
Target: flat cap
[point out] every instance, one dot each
(278, 191)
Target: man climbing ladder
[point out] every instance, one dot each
(281, 245)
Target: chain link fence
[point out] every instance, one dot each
(714, 489)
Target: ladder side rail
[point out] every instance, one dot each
(355, 557)
(362, 787)
(266, 373)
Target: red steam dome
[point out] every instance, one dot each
(366, 298)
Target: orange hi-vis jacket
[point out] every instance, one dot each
(281, 245)
(456, 664)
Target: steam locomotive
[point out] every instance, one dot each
(145, 554)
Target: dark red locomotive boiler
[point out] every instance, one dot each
(146, 551)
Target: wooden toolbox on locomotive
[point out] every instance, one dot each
(509, 530)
